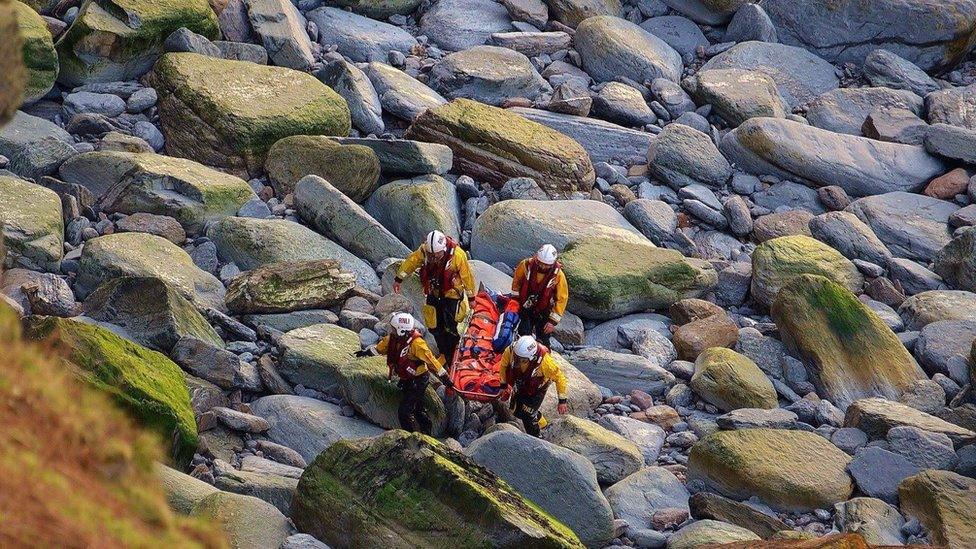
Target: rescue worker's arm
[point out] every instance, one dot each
(408, 267)
(553, 373)
(378, 349)
(463, 269)
(420, 351)
(518, 278)
(562, 298)
(383, 344)
(504, 365)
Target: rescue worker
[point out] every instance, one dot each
(526, 371)
(409, 357)
(447, 281)
(540, 286)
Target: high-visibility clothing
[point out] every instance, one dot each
(408, 356)
(544, 293)
(529, 377)
(449, 277)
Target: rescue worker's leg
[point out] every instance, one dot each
(445, 332)
(527, 409)
(533, 325)
(419, 412)
(413, 400)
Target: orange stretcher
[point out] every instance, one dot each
(485, 335)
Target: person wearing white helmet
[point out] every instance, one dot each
(527, 370)
(409, 357)
(446, 279)
(540, 286)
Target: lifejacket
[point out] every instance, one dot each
(539, 297)
(438, 276)
(398, 357)
(530, 382)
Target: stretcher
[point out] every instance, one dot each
(485, 334)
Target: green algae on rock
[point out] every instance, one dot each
(11, 62)
(353, 169)
(289, 286)
(228, 114)
(848, 350)
(731, 381)
(40, 58)
(312, 356)
(32, 223)
(775, 262)
(945, 503)
(431, 496)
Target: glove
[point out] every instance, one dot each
(562, 407)
(506, 393)
(549, 328)
(363, 353)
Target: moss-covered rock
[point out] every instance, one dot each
(777, 261)
(495, 145)
(140, 254)
(112, 40)
(228, 114)
(144, 382)
(246, 520)
(709, 533)
(11, 64)
(789, 470)
(192, 193)
(40, 59)
(731, 381)
(353, 169)
(33, 228)
(289, 286)
(847, 348)
(65, 441)
(411, 208)
(610, 278)
(945, 503)
(312, 356)
(151, 311)
(431, 496)
(613, 456)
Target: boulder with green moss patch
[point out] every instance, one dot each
(731, 381)
(431, 496)
(246, 520)
(613, 456)
(11, 63)
(364, 385)
(775, 262)
(610, 278)
(495, 145)
(846, 347)
(228, 114)
(289, 286)
(140, 254)
(788, 470)
(410, 208)
(113, 40)
(39, 56)
(151, 311)
(353, 169)
(146, 383)
(192, 193)
(33, 228)
(312, 356)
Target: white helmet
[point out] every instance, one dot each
(403, 323)
(526, 347)
(546, 254)
(435, 241)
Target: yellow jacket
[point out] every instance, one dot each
(562, 288)
(548, 370)
(418, 351)
(464, 281)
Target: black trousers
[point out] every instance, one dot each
(527, 409)
(445, 333)
(411, 413)
(534, 325)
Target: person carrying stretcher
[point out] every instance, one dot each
(527, 369)
(540, 287)
(409, 357)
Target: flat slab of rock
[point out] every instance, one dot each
(406, 157)
(411, 208)
(457, 25)
(401, 95)
(359, 38)
(289, 286)
(875, 416)
(844, 110)
(912, 226)
(603, 141)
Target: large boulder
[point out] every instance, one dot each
(339, 502)
(150, 311)
(777, 261)
(246, 520)
(861, 166)
(844, 110)
(117, 40)
(613, 456)
(622, 372)
(140, 254)
(610, 278)
(876, 416)
(145, 383)
(706, 12)
(639, 496)
(338, 217)
(730, 381)
(401, 95)
(40, 58)
(737, 94)
(562, 482)
(313, 356)
(800, 75)
(308, 425)
(611, 47)
(280, 27)
(193, 194)
(250, 243)
(924, 308)
(410, 208)
(495, 145)
(289, 286)
(353, 169)
(32, 225)
(932, 34)
(945, 503)
(682, 156)
(488, 74)
(603, 141)
(227, 114)
(11, 63)
(912, 226)
(788, 470)
(846, 347)
(359, 38)
(955, 262)
(456, 25)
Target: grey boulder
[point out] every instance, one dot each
(611, 47)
